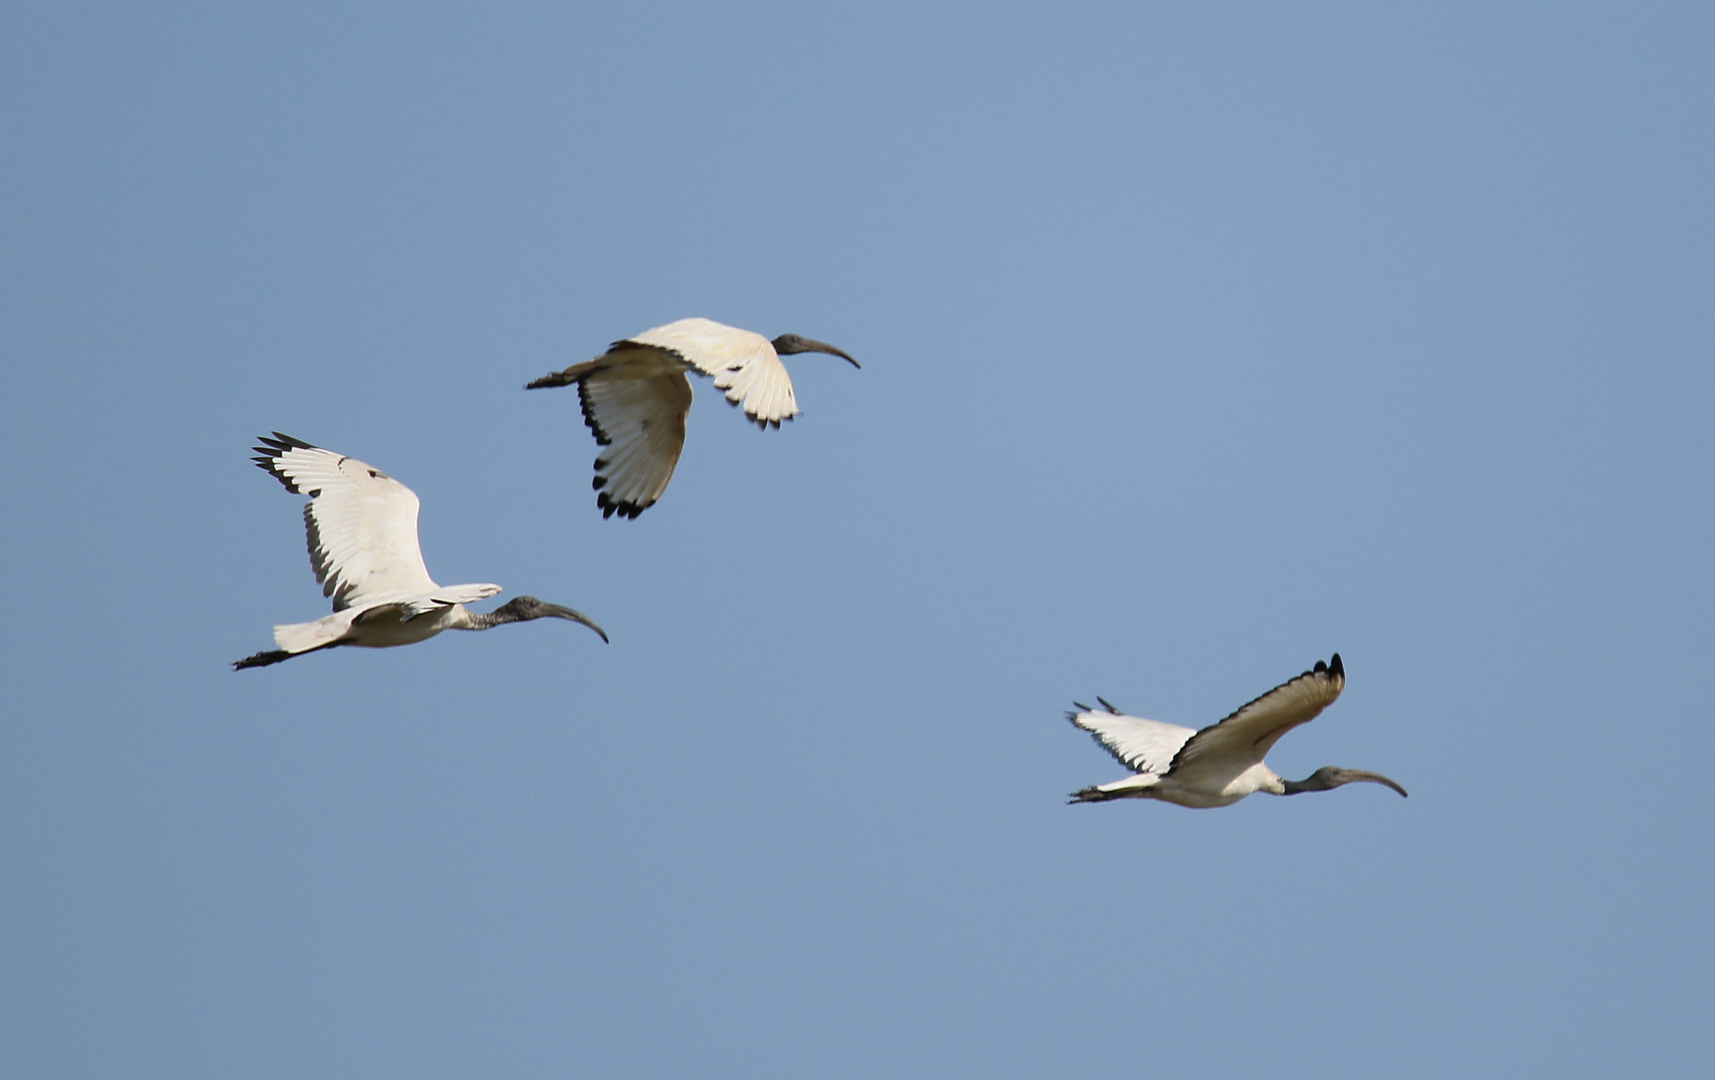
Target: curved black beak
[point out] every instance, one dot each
(1329, 777)
(787, 344)
(560, 611)
(1349, 776)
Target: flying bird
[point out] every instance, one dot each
(1222, 763)
(636, 396)
(362, 528)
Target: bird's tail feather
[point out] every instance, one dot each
(302, 637)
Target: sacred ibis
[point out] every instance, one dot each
(362, 527)
(1222, 763)
(636, 396)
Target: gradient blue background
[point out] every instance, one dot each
(1199, 341)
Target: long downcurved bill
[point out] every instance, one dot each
(1347, 776)
(560, 611)
(812, 345)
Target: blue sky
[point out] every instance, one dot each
(1199, 342)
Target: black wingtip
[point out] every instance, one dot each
(1106, 704)
(282, 441)
(610, 505)
(1336, 667)
(269, 453)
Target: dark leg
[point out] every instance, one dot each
(1089, 794)
(274, 656)
(261, 659)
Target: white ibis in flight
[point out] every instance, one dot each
(1222, 763)
(362, 528)
(636, 396)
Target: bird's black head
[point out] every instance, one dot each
(787, 344)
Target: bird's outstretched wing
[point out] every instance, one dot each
(1144, 746)
(362, 523)
(635, 400)
(742, 363)
(1245, 737)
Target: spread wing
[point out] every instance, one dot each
(362, 523)
(1246, 737)
(1144, 746)
(743, 364)
(635, 400)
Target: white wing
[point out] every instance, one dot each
(1145, 746)
(362, 524)
(1246, 737)
(635, 400)
(744, 364)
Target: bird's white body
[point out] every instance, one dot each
(636, 397)
(362, 530)
(1222, 763)
(379, 626)
(1202, 793)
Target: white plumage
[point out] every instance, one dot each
(636, 397)
(1222, 763)
(362, 529)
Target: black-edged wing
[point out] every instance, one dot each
(1245, 737)
(361, 523)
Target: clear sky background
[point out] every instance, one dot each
(1199, 342)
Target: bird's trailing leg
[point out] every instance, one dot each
(274, 656)
(1132, 787)
(262, 659)
(563, 378)
(1089, 794)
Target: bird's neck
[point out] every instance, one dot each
(462, 618)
